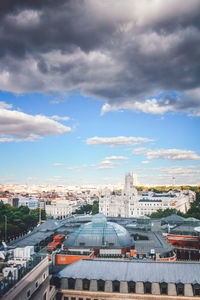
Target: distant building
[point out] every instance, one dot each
(132, 204)
(30, 202)
(59, 210)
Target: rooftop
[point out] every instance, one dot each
(133, 271)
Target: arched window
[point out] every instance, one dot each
(100, 285)
(116, 286)
(71, 283)
(131, 287)
(180, 289)
(57, 282)
(86, 284)
(196, 289)
(163, 288)
(147, 287)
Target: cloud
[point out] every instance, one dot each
(117, 141)
(110, 162)
(178, 175)
(58, 165)
(106, 167)
(172, 154)
(139, 150)
(149, 106)
(146, 162)
(73, 169)
(116, 158)
(5, 105)
(22, 126)
(58, 118)
(143, 55)
(6, 140)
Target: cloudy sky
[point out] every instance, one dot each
(90, 90)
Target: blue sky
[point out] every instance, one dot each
(87, 105)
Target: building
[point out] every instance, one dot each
(106, 258)
(133, 204)
(31, 202)
(127, 280)
(59, 210)
(35, 285)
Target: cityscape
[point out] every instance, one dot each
(100, 149)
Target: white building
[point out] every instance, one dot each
(132, 204)
(59, 210)
(31, 202)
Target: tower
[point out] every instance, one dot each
(128, 182)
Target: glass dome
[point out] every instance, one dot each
(99, 234)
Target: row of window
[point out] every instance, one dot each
(28, 293)
(132, 287)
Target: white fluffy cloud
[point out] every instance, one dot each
(22, 126)
(149, 106)
(170, 154)
(6, 140)
(139, 150)
(173, 154)
(5, 105)
(117, 141)
(116, 158)
(58, 118)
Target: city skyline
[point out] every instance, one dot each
(91, 90)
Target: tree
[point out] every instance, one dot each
(95, 207)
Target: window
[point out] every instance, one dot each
(100, 285)
(180, 289)
(73, 298)
(45, 296)
(163, 288)
(196, 289)
(28, 293)
(116, 285)
(36, 284)
(147, 287)
(131, 287)
(86, 284)
(80, 298)
(66, 298)
(71, 283)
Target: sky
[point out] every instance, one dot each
(91, 90)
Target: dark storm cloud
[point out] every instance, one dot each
(125, 52)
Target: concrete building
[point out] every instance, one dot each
(109, 258)
(128, 280)
(59, 210)
(35, 285)
(31, 202)
(132, 204)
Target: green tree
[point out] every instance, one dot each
(95, 207)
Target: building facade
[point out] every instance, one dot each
(132, 204)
